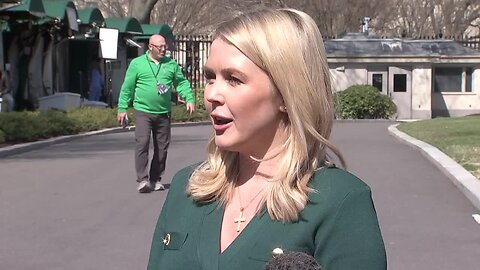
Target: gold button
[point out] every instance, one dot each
(277, 251)
(166, 239)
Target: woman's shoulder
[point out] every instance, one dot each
(181, 177)
(332, 182)
(338, 176)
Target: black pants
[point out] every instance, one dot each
(157, 125)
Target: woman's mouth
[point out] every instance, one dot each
(220, 124)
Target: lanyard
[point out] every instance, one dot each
(158, 70)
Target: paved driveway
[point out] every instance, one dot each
(425, 220)
(74, 205)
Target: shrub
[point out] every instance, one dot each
(17, 127)
(2, 136)
(91, 118)
(55, 123)
(180, 114)
(199, 99)
(20, 126)
(363, 102)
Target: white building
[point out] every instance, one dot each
(425, 78)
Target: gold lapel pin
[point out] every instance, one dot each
(166, 239)
(277, 251)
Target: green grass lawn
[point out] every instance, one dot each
(457, 137)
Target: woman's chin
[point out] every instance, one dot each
(223, 144)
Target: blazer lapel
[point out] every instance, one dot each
(209, 239)
(245, 241)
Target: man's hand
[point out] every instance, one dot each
(121, 116)
(190, 107)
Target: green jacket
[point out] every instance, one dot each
(338, 227)
(140, 84)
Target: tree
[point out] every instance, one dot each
(188, 17)
(409, 18)
(335, 17)
(109, 8)
(416, 19)
(141, 9)
(404, 18)
(455, 16)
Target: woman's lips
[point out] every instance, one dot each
(220, 124)
(221, 127)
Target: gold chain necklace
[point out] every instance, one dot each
(241, 219)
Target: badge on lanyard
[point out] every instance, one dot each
(161, 89)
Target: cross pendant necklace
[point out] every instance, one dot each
(241, 218)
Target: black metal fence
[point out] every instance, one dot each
(471, 42)
(191, 53)
(474, 44)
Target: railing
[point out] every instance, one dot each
(471, 42)
(191, 53)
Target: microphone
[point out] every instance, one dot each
(125, 122)
(293, 260)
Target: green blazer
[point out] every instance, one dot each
(338, 226)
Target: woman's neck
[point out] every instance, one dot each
(255, 169)
(262, 161)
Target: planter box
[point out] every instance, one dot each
(96, 104)
(59, 101)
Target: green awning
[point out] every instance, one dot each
(25, 9)
(152, 29)
(57, 8)
(90, 16)
(61, 11)
(124, 25)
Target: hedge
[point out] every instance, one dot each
(19, 127)
(363, 102)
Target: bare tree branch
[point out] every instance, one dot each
(410, 18)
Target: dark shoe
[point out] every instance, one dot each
(144, 187)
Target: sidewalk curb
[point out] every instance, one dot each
(25, 147)
(468, 184)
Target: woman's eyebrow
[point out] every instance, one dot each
(207, 69)
(234, 71)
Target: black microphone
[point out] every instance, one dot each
(293, 260)
(125, 122)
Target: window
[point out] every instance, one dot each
(453, 79)
(399, 82)
(377, 81)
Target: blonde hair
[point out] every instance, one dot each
(288, 46)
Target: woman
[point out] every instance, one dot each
(267, 184)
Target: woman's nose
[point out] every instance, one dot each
(214, 92)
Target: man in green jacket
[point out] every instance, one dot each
(148, 81)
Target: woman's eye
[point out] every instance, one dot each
(209, 78)
(233, 80)
(209, 81)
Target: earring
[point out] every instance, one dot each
(283, 108)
